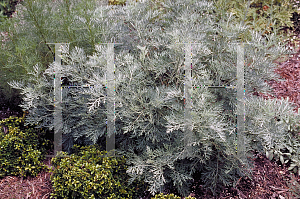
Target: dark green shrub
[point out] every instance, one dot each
(169, 196)
(9, 97)
(85, 174)
(21, 149)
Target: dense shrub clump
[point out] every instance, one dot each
(22, 148)
(85, 174)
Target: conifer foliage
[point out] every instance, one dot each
(149, 103)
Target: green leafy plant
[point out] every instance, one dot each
(117, 2)
(8, 97)
(264, 16)
(22, 148)
(267, 119)
(85, 174)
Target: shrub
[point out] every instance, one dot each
(21, 150)
(40, 136)
(85, 174)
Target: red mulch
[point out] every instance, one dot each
(38, 187)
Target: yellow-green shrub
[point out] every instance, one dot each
(21, 150)
(84, 174)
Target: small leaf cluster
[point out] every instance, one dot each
(88, 174)
(21, 149)
(274, 131)
(117, 2)
(264, 16)
(169, 196)
(40, 136)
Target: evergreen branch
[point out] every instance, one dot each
(39, 28)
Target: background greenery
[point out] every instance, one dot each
(8, 97)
